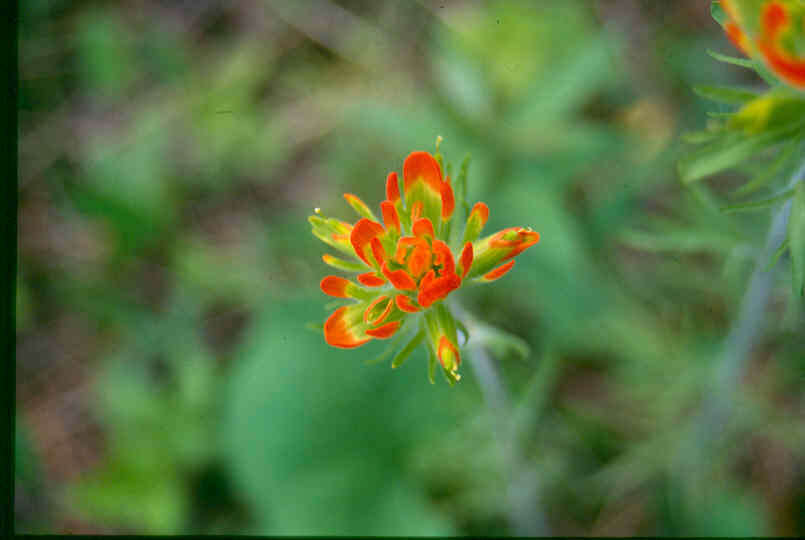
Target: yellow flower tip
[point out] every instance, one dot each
(439, 140)
(317, 210)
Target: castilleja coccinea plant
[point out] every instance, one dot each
(773, 31)
(406, 266)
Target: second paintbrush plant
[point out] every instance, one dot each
(410, 262)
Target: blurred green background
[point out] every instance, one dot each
(169, 155)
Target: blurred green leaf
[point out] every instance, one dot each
(771, 171)
(315, 438)
(727, 513)
(104, 46)
(777, 254)
(725, 94)
(393, 346)
(743, 62)
(501, 343)
(569, 86)
(679, 240)
(758, 205)
(727, 152)
(118, 496)
(796, 236)
(698, 137)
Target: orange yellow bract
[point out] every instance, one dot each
(773, 31)
(405, 266)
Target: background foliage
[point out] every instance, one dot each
(170, 153)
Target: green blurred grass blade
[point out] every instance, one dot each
(725, 94)
(796, 235)
(757, 205)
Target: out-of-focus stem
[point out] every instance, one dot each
(747, 328)
(525, 513)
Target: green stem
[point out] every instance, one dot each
(744, 334)
(525, 515)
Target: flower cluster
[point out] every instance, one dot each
(405, 266)
(773, 31)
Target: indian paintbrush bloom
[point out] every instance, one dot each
(772, 30)
(405, 263)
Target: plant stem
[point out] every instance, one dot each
(525, 514)
(747, 328)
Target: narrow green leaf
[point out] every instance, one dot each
(347, 266)
(360, 207)
(704, 196)
(770, 173)
(431, 365)
(698, 137)
(720, 114)
(754, 65)
(393, 346)
(743, 62)
(765, 74)
(777, 254)
(688, 241)
(757, 205)
(403, 355)
(796, 235)
(729, 151)
(725, 94)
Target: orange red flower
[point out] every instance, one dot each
(405, 265)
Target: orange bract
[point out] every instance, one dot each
(339, 330)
